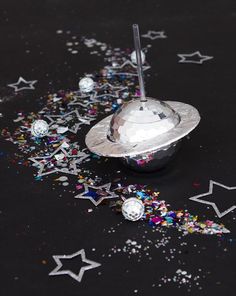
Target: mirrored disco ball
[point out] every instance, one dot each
(86, 85)
(39, 128)
(132, 209)
(134, 58)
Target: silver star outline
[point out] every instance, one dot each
(74, 129)
(78, 277)
(75, 160)
(202, 58)
(115, 90)
(126, 63)
(29, 84)
(96, 203)
(198, 197)
(84, 101)
(154, 35)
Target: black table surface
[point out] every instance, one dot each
(38, 220)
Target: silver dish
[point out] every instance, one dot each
(145, 135)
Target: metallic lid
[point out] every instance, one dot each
(137, 121)
(128, 133)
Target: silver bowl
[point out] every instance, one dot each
(153, 161)
(144, 135)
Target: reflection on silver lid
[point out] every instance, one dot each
(133, 130)
(138, 121)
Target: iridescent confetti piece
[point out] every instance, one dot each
(62, 129)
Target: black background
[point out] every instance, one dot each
(37, 221)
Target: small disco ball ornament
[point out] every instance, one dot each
(39, 128)
(134, 57)
(132, 209)
(86, 85)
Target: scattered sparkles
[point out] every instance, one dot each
(154, 233)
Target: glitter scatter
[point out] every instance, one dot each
(158, 213)
(69, 112)
(162, 232)
(183, 278)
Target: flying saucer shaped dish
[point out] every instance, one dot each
(138, 128)
(144, 133)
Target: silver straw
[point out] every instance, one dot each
(139, 62)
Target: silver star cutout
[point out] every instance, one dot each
(78, 277)
(28, 84)
(191, 58)
(154, 35)
(59, 154)
(120, 69)
(66, 118)
(109, 90)
(84, 101)
(98, 191)
(198, 198)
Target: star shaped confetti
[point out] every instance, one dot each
(154, 35)
(73, 120)
(194, 58)
(23, 84)
(78, 277)
(127, 68)
(96, 194)
(109, 90)
(199, 198)
(84, 101)
(60, 160)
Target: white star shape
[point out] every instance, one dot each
(72, 161)
(121, 69)
(154, 35)
(186, 58)
(96, 202)
(84, 101)
(28, 84)
(66, 118)
(112, 91)
(198, 198)
(78, 277)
